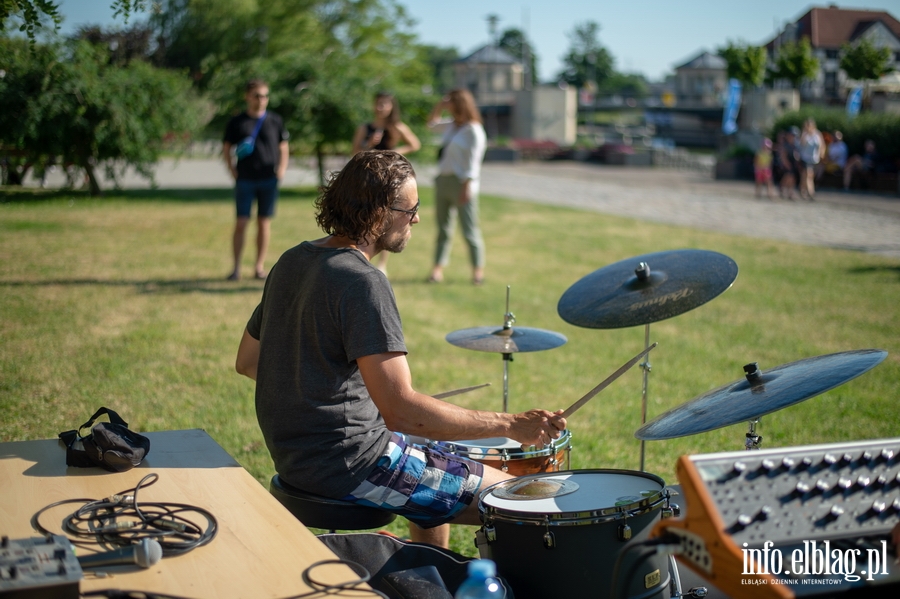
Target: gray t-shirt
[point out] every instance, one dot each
(322, 308)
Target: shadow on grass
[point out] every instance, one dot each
(862, 270)
(153, 286)
(199, 194)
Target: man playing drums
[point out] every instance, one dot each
(333, 388)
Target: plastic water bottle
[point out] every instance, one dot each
(481, 583)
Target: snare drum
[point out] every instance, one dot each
(509, 455)
(560, 534)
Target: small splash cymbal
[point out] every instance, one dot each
(761, 393)
(647, 288)
(506, 340)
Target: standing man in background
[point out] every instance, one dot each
(258, 164)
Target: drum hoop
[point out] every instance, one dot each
(497, 453)
(490, 513)
(583, 518)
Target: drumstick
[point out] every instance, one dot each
(459, 391)
(605, 384)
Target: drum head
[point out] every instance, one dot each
(598, 490)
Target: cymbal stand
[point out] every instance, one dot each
(508, 319)
(753, 441)
(645, 366)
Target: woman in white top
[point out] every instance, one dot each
(812, 150)
(456, 186)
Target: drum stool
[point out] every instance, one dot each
(316, 511)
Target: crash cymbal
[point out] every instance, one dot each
(761, 393)
(646, 289)
(506, 340)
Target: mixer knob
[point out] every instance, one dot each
(829, 459)
(895, 507)
(885, 456)
(834, 513)
(765, 467)
(822, 487)
(763, 514)
(742, 522)
(788, 463)
(866, 458)
(845, 483)
(863, 481)
(877, 508)
(738, 468)
(804, 464)
(801, 489)
(844, 460)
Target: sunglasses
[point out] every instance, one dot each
(411, 213)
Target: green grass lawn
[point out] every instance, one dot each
(122, 302)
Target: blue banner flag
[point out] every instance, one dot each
(732, 106)
(854, 101)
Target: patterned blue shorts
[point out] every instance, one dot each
(422, 484)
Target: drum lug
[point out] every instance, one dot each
(549, 540)
(624, 532)
(490, 533)
(673, 510)
(504, 467)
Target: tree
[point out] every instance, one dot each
(324, 88)
(865, 62)
(795, 63)
(625, 84)
(123, 45)
(32, 14)
(517, 45)
(586, 60)
(747, 64)
(86, 112)
(440, 60)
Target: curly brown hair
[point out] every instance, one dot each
(356, 202)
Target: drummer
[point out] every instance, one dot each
(333, 387)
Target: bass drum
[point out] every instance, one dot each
(509, 456)
(561, 535)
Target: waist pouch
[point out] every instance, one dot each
(109, 445)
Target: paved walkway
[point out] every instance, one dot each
(863, 222)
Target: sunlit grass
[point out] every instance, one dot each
(122, 302)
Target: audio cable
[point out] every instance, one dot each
(120, 520)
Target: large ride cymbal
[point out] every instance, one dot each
(506, 340)
(761, 393)
(647, 288)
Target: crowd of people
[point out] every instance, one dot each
(798, 158)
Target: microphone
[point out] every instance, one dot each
(144, 554)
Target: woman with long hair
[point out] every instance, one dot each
(385, 132)
(457, 183)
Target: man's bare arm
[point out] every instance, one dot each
(248, 356)
(405, 410)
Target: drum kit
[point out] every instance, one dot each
(552, 519)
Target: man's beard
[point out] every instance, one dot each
(394, 246)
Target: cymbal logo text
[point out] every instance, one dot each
(663, 299)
